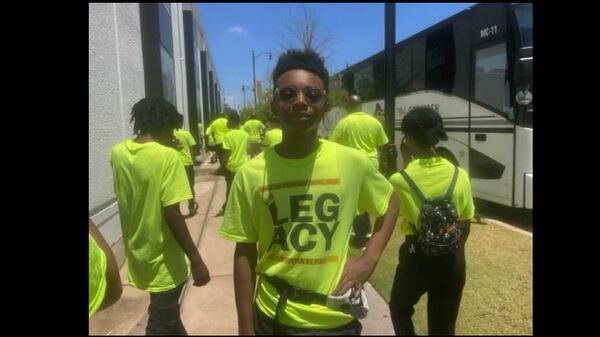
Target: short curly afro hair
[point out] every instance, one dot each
(306, 59)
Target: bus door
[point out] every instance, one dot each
(491, 130)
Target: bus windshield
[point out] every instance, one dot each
(524, 14)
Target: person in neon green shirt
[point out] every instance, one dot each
(363, 132)
(274, 135)
(219, 129)
(210, 145)
(360, 131)
(104, 280)
(149, 182)
(235, 147)
(187, 146)
(441, 277)
(290, 211)
(253, 127)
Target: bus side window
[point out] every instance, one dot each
(440, 60)
(490, 77)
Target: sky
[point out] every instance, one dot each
(233, 30)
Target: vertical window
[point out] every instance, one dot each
(364, 83)
(440, 60)
(491, 85)
(167, 65)
(403, 69)
(167, 70)
(378, 77)
(348, 82)
(418, 64)
(524, 14)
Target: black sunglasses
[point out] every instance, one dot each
(312, 95)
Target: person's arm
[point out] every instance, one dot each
(226, 154)
(193, 152)
(358, 271)
(244, 281)
(182, 236)
(114, 289)
(465, 226)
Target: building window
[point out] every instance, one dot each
(167, 70)
(491, 85)
(167, 65)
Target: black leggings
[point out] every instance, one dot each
(442, 278)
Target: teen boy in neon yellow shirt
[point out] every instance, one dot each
(290, 213)
(274, 135)
(219, 130)
(149, 182)
(186, 149)
(235, 151)
(363, 132)
(211, 145)
(253, 127)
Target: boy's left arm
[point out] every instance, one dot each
(358, 270)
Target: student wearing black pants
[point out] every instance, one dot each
(442, 277)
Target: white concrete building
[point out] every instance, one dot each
(138, 50)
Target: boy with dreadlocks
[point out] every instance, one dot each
(149, 182)
(290, 212)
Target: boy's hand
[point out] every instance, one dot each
(406, 156)
(356, 272)
(200, 274)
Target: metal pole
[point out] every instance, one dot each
(389, 85)
(254, 77)
(244, 91)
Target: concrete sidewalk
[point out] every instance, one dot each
(209, 310)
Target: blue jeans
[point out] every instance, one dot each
(163, 314)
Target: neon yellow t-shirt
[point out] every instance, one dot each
(273, 137)
(219, 129)
(253, 127)
(360, 131)
(187, 140)
(312, 202)
(210, 136)
(236, 141)
(148, 177)
(97, 281)
(432, 176)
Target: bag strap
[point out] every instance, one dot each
(453, 183)
(417, 191)
(414, 187)
(420, 195)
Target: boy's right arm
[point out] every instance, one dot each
(182, 236)
(114, 289)
(244, 280)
